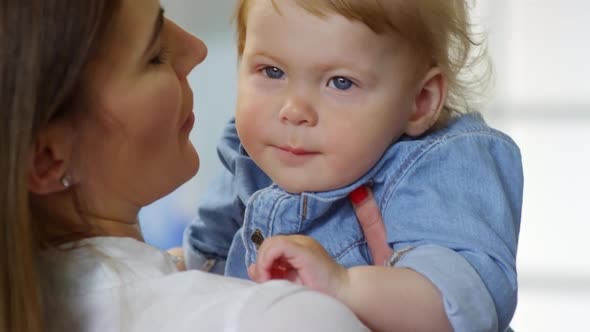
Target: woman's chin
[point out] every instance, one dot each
(192, 168)
(181, 175)
(192, 162)
(195, 162)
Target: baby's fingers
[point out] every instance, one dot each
(272, 250)
(253, 273)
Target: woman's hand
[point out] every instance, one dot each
(299, 259)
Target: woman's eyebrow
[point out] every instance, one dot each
(158, 24)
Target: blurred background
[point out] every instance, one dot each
(540, 50)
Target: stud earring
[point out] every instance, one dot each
(66, 181)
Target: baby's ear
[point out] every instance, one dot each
(428, 103)
(50, 158)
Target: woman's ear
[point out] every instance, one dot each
(428, 103)
(50, 159)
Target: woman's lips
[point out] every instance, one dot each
(188, 123)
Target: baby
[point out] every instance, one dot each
(339, 95)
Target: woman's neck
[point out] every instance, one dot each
(63, 219)
(86, 227)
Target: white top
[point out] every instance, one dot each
(120, 284)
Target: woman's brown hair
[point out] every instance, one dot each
(45, 46)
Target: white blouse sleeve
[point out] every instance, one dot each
(116, 284)
(284, 307)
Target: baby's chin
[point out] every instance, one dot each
(298, 186)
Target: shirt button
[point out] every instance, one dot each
(257, 238)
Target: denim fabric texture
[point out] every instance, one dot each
(454, 195)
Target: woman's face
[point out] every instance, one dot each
(133, 141)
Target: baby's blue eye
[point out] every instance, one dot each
(274, 73)
(340, 83)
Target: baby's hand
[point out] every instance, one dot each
(299, 259)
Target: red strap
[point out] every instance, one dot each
(369, 217)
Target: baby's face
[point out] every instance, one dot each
(320, 99)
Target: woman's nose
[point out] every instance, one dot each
(199, 50)
(190, 50)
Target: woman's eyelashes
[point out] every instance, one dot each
(160, 58)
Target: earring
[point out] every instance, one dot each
(66, 181)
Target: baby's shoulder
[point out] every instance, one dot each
(465, 135)
(466, 142)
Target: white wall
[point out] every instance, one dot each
(541, 51)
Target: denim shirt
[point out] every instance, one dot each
(452, 196)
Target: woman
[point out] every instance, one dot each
(96, 113)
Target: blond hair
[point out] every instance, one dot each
(438, 30)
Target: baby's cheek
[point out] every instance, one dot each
(248, 136)
(248, 122)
